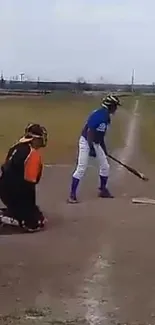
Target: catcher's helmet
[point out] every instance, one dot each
(111, 102)
(36, 131)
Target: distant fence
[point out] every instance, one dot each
(75, 87)
(22, 92)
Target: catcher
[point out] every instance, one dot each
(21, 172)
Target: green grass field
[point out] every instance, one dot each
(63, 116)
(147, 127)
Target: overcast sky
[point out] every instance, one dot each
(67, 39)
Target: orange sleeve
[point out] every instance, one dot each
(32, 166)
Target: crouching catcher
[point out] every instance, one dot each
(21, 172)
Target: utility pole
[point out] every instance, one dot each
(2, 75)
(132, 80)
(38, 82)
(2, 80)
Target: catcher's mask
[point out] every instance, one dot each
(111, 102)
(36, 131)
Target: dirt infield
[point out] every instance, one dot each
(94, 264)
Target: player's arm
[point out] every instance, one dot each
(103, 146)
(90, 137)
(92, 125)
(102, 143)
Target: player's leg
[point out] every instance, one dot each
(21, 205)
(34, 220)
(104, 172)
(6, 196)
(82, 163)
(31, 214)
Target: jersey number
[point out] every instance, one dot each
(102, 127)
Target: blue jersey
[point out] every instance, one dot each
(98, 120)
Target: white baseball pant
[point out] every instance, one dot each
(83, 158)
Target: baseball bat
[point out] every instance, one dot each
(130, 169)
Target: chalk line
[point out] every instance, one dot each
(126, 153)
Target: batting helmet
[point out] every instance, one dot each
(111, 102)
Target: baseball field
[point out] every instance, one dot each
(94, 263)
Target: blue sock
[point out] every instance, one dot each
(75, 182)
(103, 182)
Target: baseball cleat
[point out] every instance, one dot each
(105, 194)
(31, 231)
(72, 200)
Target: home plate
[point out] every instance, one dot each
(143, 200)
